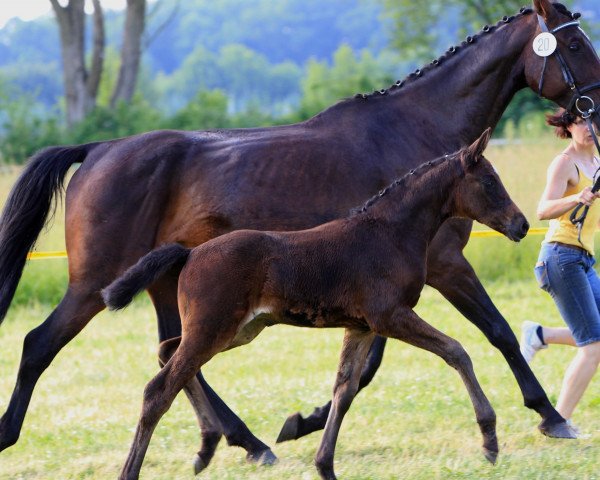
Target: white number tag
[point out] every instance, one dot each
(544, 44)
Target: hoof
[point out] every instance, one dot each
(326, 473)
(7, 438)
(290, 428)
(199, 464)
(266, 457)
(558, 430)
(490, 455)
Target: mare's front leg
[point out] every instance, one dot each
(354, 352)
(296, 426)
(407, 326)
(214, 417)
(449, 272)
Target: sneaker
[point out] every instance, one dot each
(530, 341)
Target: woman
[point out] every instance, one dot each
(564, 267)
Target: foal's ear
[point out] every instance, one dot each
(544, 8)
(473, 152)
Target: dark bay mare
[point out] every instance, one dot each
(133, 194)
(364, 272)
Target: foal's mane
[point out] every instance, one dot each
(405, 181)
(487, 29)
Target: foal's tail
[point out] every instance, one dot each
(29, 204)
(146, 271)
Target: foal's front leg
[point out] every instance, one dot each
(354, 352)
(407, 326)
(450, 273)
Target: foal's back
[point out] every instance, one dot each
(326, 276)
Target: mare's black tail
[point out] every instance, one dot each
(146, 271)
(27, 208)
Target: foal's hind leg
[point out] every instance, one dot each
(407, 326)
(210, 427)
(296, 426)
(214, 416)
(159, 395)
(354, 352)
(39, 349)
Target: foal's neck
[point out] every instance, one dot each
(419, 202)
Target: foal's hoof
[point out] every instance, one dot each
(266, 457)
(326, 472)
(199, 464)
(490, 455)
(557, 430)
(290, 428)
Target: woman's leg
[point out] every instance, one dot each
(575, 288)
(558, 336)
(577, 378)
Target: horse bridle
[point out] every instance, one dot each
(578, 101)
(578, 92)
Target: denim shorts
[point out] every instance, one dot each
(567, 274)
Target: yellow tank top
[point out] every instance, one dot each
(562, 230)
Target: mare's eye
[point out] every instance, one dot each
(574, 46)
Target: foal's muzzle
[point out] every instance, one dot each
(518, 228)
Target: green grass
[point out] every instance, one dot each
(414, 421)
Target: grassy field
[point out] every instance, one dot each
(414, 421)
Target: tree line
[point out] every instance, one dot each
(200, 64)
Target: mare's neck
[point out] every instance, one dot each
(451, 104)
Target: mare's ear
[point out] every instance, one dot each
(473, 152)
(544, 8)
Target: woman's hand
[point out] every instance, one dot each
(587, 197)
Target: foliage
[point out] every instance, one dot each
(423, 29)
(243, 74)
(23, 128)
(105, 123)
(208, 109)
(348, 75)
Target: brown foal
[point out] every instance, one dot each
(364, 273)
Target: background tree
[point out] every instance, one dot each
(81, 84)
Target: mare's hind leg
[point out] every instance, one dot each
(214, 416)
(296, 426)
(449, 272)
(354, 352)
(39, 349)
(407, 326)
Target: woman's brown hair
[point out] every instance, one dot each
(561, 120)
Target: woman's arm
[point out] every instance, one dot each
(553, 204)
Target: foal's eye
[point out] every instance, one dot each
(574, 46)
(488, 182)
